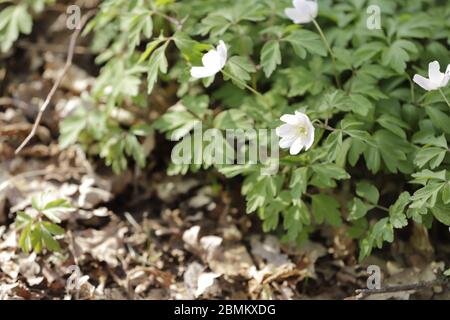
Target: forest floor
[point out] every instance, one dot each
(145, 235)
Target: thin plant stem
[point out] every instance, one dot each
(243, 84)
(246, 86)
(445, 98)
(327, 45)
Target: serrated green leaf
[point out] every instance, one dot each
(157, 63)
(270, 57)
(304, 41)
(367, 191)
(326, 208)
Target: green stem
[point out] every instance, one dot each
(381, 207)
(327, 45)
(246, 86)
(178, 24)
(324, 126)
(445, 98)
(413, 96)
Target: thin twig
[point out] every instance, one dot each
(56, 48)
(73, 41)
(364, 293)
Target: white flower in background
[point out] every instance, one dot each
(213, 62)
(297, 133)
(436, 80)
(304, 11)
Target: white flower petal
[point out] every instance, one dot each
(286, 130)
(290, 119)
(286, 142)
(211, 60)
(309, 140)
(446, 77)
(297, 3)
(202, 72)
(434, 73)
(223, 52)
(303, 12)
(310, 137)
(297, 146)
(295, 15)
(297, 133)
(424, 82)
(302, 119)
(313, 8)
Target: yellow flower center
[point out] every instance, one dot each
(302, 131)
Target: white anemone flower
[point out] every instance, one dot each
(297, 132)
(436, 79)
(213, 62)
(304, 11)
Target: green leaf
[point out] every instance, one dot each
(157, 63)
(138, 25)
(70, 128)
(326, 208)
(365, 249)
(25, 239)
(434, 156)
(367, 191)
(14, 20)
(446, 193)
(357, 148)
(182, 118)
(294, 220)
(191, 50)
(440, 119)
(141, 129)
(373, 159)
(54, 229)
(58, 203)
(392, 149)
(427, 195)
(47, 239)
(304, 41)
(259, 190)
(334, 145)
(151, 46)
(135, 149)
(397, 54)
(325, 174)
(366, 53)
(393, 124)
(424, 176)
(22, 219)
(240, 68)
(397, 212)
(357, 209)
(442, 214)
(298, 183)
(360, 104)
(311, 79)
(233, 119)
(270, 57)
(382, 231)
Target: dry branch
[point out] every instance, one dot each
(70, 53)
(440, 281)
